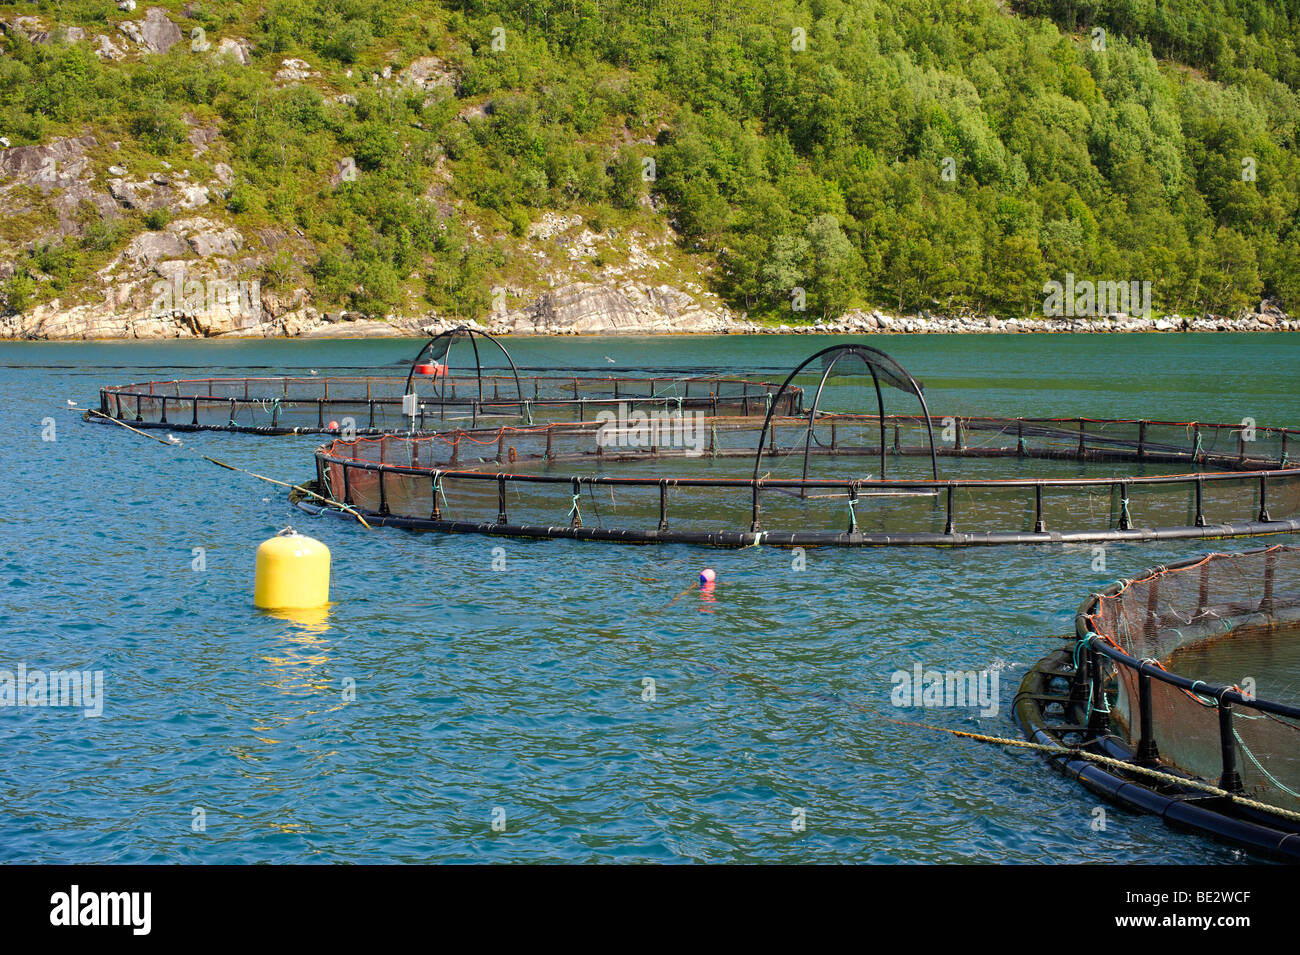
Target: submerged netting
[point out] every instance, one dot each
(823, 479)
(1217, 622)
(278, 405)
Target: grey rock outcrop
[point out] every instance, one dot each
(155, 33)
(630, 309)
(61, 171)
(235, 49)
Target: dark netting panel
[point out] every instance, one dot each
(670, 473)
(370, 403)
(1225, 620)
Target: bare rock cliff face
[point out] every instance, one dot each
(631, 309)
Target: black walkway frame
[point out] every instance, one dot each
(1053, 708)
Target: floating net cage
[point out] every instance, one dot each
(449, 394)
(1192, 669)
(821, 477)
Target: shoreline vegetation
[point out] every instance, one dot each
(695, 166)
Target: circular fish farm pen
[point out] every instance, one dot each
(1152, 685)
(823, 478)
(433, 395)
(817, 484)
(308, 405)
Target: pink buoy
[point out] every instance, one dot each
(707, 577)
(334, 425)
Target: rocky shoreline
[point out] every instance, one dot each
(578, 309)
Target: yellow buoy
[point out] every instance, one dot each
(292, 572)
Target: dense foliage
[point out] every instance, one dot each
(940, 154)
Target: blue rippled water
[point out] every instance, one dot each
(521, 690)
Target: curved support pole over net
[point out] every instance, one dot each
(881, 366)
(448, 338)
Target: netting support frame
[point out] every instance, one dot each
(473, 334)
(876, 362)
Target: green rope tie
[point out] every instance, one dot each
(1124, 516)
(528, 411)
(1196, 451)
(1079, 647)
(438, 491)
(713, 441)
(853, 517)
(575, 512)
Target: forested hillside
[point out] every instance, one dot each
(946, 155)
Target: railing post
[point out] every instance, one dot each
(663, 505)
(436, 513)
(501, 499)
(952, 511)
(1125, 519)
(1231, 779)
(1148, 753)
(1040, 526)
(1200, 502)
(753, 523)
(1263, 499)
(383, 496)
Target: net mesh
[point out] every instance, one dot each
(1228, 619)
(838, 475)
(374, 404)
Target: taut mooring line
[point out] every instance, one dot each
(230, 467)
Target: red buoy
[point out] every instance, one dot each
(434, 370)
